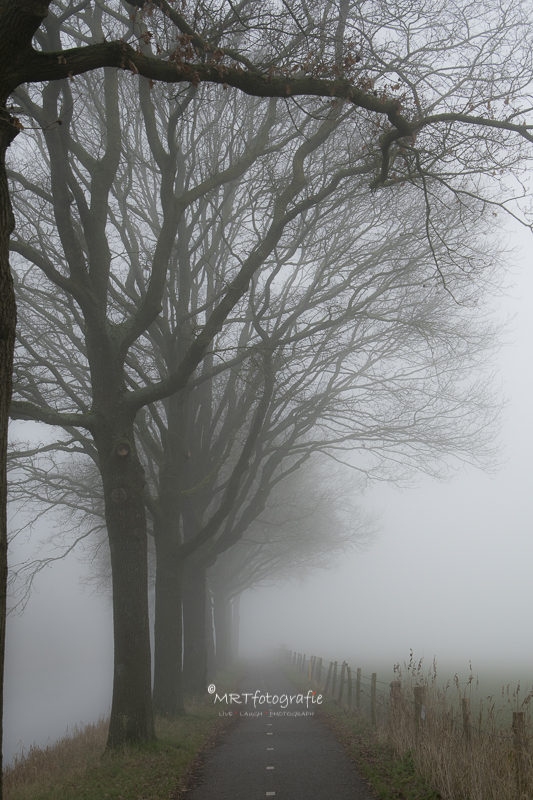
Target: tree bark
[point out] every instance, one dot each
(8, 321)
(123, 482)
(168, 626)
(168, 630)
(222, 629)
(210, 639)
(235, 627)
(194, 630)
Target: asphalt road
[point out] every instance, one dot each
(277, 749)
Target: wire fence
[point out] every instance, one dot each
(469, 747)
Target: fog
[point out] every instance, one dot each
(59, 660)
(450, 573)
(448, 576)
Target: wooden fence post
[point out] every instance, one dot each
(420, 708)
(319, 674)
(341, 688)
(349, 671)
(311, 665)
(358, 689)
(519, 734)
(467, 721)
(330, 670)
(303, 664)
(395, 708)
(334, 679)
(373, 687)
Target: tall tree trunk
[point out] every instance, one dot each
(222, 629)
(194, 629)
(8, 321)
(19, 23)
(235, 628)
(210, 638)
(168, 626)
(168, 692)
(123, 482)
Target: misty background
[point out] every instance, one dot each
(448, 576)
(450, 573)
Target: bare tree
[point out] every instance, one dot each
(464, 114)
(359, 297)
(365, 351)
(107, 312)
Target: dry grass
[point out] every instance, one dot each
(480, 761)
(68, 759)
(77, 768)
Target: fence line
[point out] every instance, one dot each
(411, 709)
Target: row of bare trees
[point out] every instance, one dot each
(210, 297)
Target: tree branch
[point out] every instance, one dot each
(23, 410)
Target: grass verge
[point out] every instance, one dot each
(77, 768)
(390, 775)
